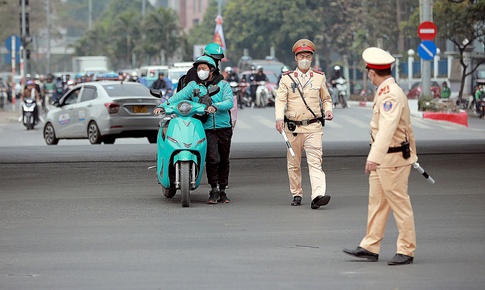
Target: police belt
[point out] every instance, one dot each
(305, 122)
(394, 149)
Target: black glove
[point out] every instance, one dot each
(206, 100)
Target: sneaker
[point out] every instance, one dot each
(223, 198)
(213, 196)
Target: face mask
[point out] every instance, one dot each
(304, 64)
(203, 74)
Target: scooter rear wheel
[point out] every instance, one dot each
(185, 183)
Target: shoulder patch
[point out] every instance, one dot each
(287, 72)
(387, 106)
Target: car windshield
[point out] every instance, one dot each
(481, 74)
(123, 90)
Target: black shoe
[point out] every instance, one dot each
(320, 200)
(360, 252)
(400, 259)
(223, 198)
(296, 201)
(213, 196)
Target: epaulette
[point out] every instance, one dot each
(287, 72)
(384, 90)
(319, 72)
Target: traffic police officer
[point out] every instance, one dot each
(302, 103)
(392, 152)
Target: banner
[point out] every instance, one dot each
(219, 34)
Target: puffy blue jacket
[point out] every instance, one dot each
(223, 101)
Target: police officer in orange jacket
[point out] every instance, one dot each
(392, 153)
(302, 103)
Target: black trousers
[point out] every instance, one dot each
(217, 161)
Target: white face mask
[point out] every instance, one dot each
(304, 64)
(203, 74)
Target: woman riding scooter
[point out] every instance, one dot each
(217, 127)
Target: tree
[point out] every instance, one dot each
(462, 23)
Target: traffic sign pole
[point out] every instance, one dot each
(426, 14)
(13, 72)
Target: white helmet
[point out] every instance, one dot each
(228, 69)
(336, 67)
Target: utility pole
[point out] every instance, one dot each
(90, 14)
(48, 36)
(426, 14)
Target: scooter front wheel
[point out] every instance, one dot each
(185, 183)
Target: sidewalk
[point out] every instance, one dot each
(8, 116)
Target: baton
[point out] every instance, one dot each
(423, 172)
(288, 144)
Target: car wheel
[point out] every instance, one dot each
(50, 135)
(109, 140)
(152, 139)
(93, 133)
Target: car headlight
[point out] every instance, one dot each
(184, 108)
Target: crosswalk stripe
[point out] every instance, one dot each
(418, 123)
(333, 124)
(356, 122)
(242, 125)
(265, 122)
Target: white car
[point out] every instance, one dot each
(103, 111)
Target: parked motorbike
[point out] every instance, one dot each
(181, 147)
(28, 113)
(262, 95)
(341, 85)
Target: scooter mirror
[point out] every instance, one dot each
(214, 90)
(156, 93)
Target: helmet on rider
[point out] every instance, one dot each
(214, 50)
(228, 69)
(336, 68)
(207, 60)
(260, 68)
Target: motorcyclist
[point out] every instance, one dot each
(160, 84)
(231, 75)
(336, 75)
(31, 92)
(212, 50)
(134, 77)
(283, 70)
(258, 77)
(218, 127)
(50, 88)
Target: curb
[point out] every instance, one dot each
(458, 118)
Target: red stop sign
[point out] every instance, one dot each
(427, 30)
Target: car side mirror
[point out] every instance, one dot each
(155, 93)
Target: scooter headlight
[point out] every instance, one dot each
(184, 108)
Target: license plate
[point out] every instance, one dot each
(140, 109)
